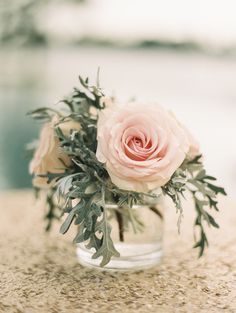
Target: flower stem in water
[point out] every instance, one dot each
(120, 222)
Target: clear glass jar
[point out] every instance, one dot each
(139, 245)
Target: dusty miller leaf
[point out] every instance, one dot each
(107, 249)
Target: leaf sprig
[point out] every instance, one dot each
(192, 177)
(85, 188)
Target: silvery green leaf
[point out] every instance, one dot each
(66, 225)
(107, 249)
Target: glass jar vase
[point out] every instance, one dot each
(139, 242)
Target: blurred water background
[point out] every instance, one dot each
(145, 50)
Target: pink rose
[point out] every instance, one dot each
(49, 157)
(194, 147)
(141, 145)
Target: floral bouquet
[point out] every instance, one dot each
(103, 164)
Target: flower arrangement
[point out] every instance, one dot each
(93, 150)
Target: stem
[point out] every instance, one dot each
(52, 207)
(132, 220)
(156, 211)
(119, 218)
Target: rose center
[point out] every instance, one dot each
(139, 145)
(138, 148)
(137, 142)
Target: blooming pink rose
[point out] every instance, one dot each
(49, 156)
(141, 145)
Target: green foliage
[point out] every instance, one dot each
(85, 188)
(192, 177)
(175, 188)
(43, 114)
(53, 209)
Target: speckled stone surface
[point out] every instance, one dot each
(39, 272)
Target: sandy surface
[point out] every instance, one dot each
(39, 273)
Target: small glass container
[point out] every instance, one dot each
(139, 243)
